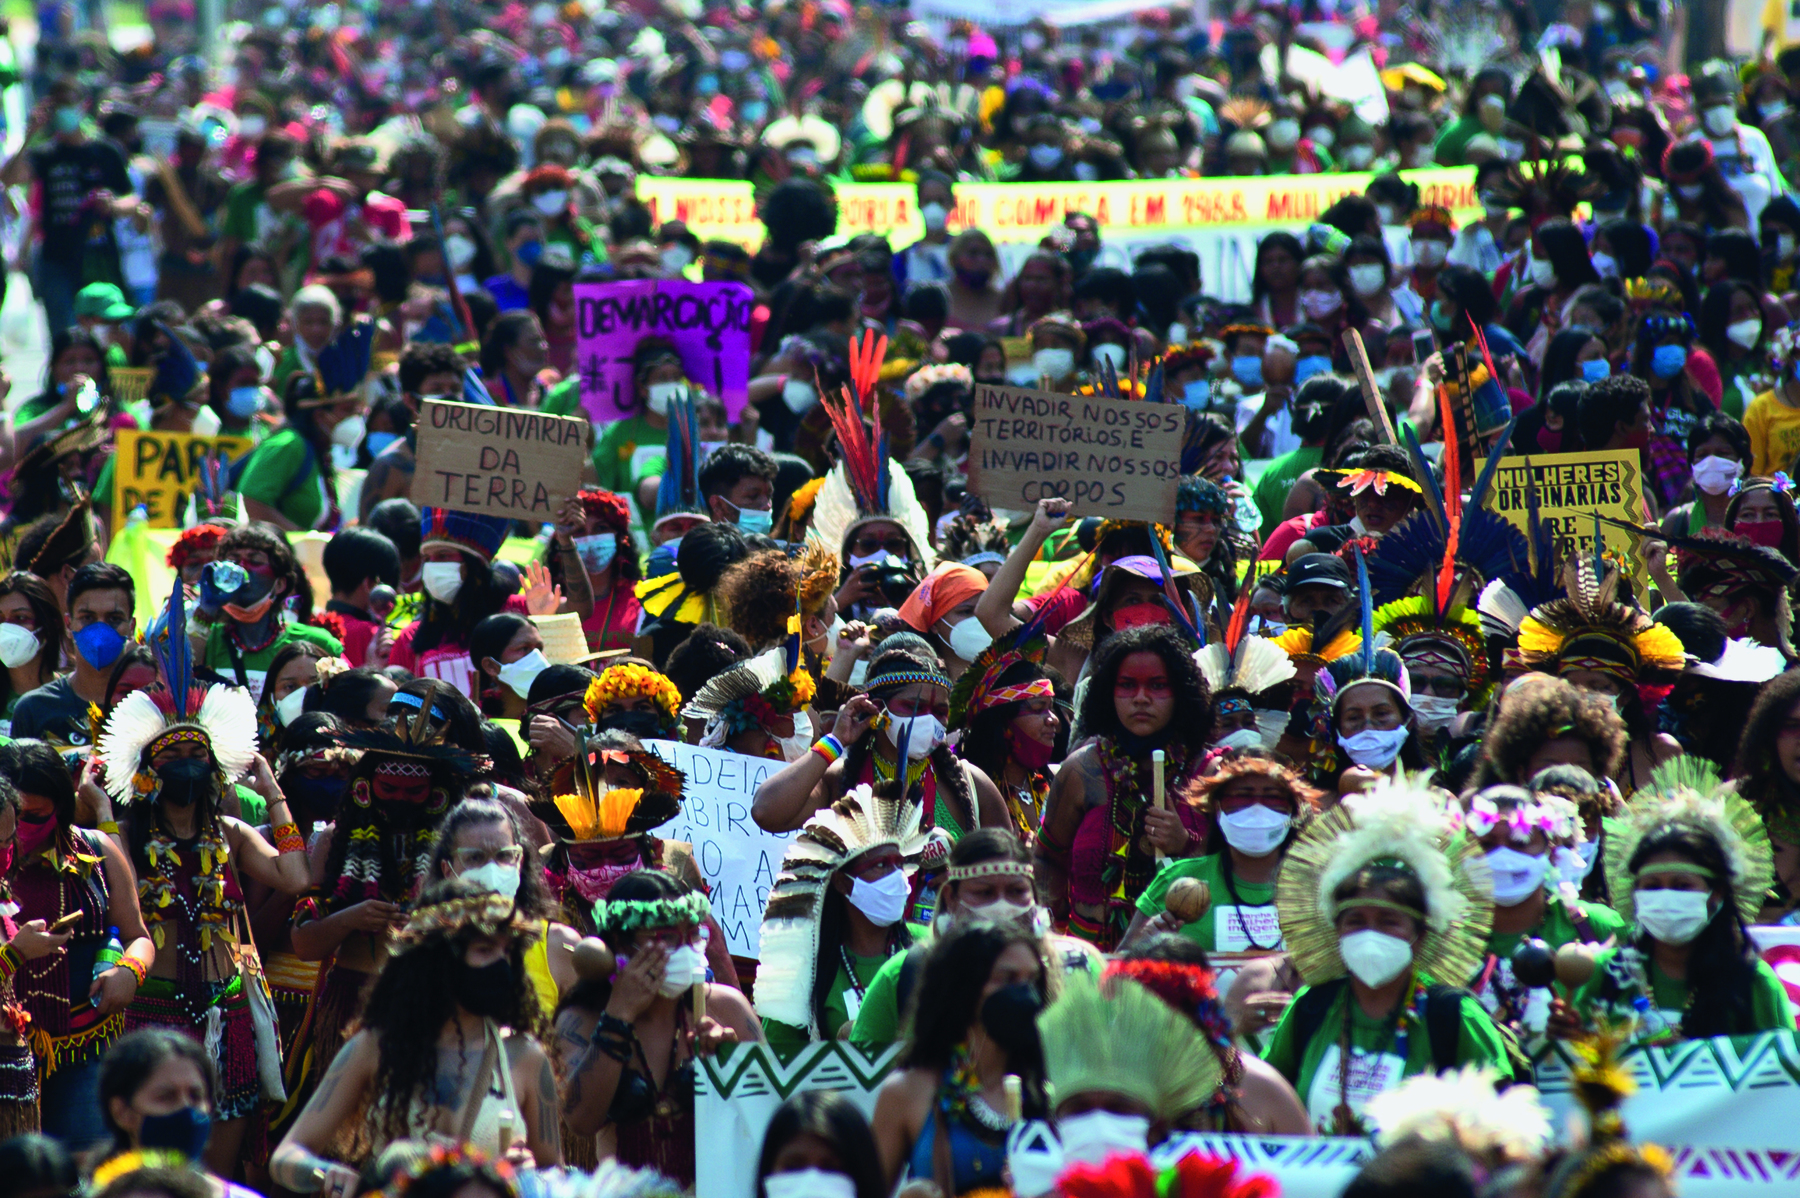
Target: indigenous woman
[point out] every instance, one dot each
(55, 869)
(1529, 841)
(1238, 668)
(1254, 807)
(1004, 709)
(614, 792)
(1768, 776)
(31, 638)
(758, 708)
(835, 915)
(940, 1114)
(158, 1093)
(632, 697)
(372, 863)
(171, 755)
(1687, 869)
(1102, 833)
(602, 546)
(1378, 902)
(627, 1046)
(445, 1053)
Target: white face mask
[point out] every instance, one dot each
(1368, 278)
(1434, 712)
(460, 250)
(676, 258)
(935, 216)
(685, 969)
(1719, 121)
(859, 560)
(1542, 273)
(1673, 916)
(1516, 875)
(924, 733)
(1054, 363)
(1322, 135)
(1110, 352)
(1256, 831)
(1358, 156)
(799, 396)
(442, 580)
(1270, 725)
(1319, 304)
(349, 432)
(1284, 133)
(549, 203)
(1374, 958)
(252, 126)
(1714, 474)
(1744, 333)
(1385, 214)
(18, 645)
(1240, 738)
(883, 901)
(1690, 191)
(1784, 245)
(661, 394)
(1023, 915)
(1092, 1136)
(522, 673)
(1430, 253)
(968, 638)
(1373, 747)
(289, 706)
(808, 1183)
(1606, 265)
(1573, 865)
(497, 876)
(794, 747)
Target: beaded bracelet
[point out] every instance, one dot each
(136, 968)
(829, 747)
(109, 827)
(288, 839)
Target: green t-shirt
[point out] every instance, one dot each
(1604, 994)
(283, 472)
(628, 451)
(1500, 994)
(786, 1039)
(241, 204)
(256, 663)
(878, 1022)
(564, 399)
(1227, 926)
(1382, 1055)
(1272, 488)
(1453, 138)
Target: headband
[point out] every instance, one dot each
(484, 913)
(626, 915)
(1013, 694)
(990, 869)
(416, 703)
(985, 558)
(1676, 867)
(894, 679)
(1385, 904)
(1427, 656)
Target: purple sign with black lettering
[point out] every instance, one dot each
(707, 323)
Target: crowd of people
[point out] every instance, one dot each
(1329, 803)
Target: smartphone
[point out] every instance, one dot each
(66, 922)
(1424, 345)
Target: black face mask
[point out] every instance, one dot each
(186, 781)
(486, 991)
(645, 725)
(317, 798)
(1009, 1016)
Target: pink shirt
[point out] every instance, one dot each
(447, 661)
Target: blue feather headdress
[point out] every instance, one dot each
(343, 364)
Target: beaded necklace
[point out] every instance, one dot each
(1394, 1033)
(206, 911)
(961, 1095)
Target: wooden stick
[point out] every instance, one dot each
(699, 1004)
(1015, 1097)
(1156, 789)
(1359, 358)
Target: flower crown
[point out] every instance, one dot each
(1781, 484)
(629, 681)
(1552, 815)
(926, 377)
(628, 915)
(447, 1156)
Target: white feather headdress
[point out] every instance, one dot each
(836, 510)
(226, 719)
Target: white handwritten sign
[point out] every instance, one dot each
(497, 461)
(738, 859)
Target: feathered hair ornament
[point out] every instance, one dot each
(1461, 1108)
(1592, 630)
(213, 499)
(979, 687)
(751, 694)
(1602, 1083)
(412, 735)
(1241, 666)
(1120, 1038)
(1405, 823)
(593, 812)
(1686, 792)
(866, 818)
(679, 492)
(1546, 185)
(223, 718)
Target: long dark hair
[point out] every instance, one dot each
(834, 917)
(985, 745)
(1279, 240)
(33, 767)
(132, 1059)
(61, 342)
(947, 1001)
(490, 639)
(533, 898)
(482, 594)
(1191, 723)
(302, 388)
(1758, 771)
(49, 629)
(834, 1120)
(644, 885)
(1721, 959)
(411, 1001)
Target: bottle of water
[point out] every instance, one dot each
(110, 954)
(1245, 512)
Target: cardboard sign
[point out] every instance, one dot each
(738, 859)
(1571, 487)
(159, 471)
(497, 461)
(707, 323)
(1120, 459)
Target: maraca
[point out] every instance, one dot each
(592, 959)
(1575, 964)
(1533, 964)
(1188, 899)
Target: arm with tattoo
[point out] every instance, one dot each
(597, 1065)
(295, 1163)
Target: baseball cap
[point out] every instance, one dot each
(1318, 570)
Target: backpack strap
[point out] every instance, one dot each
(1309, 1012)
(1443, 1023)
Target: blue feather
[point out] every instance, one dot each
(174, 655)
(1422, 466)
(1368, 612)
(1169, 591)
(1485, 479)
(1153, 386)
(881, 470)
(474, 388)
(1406, 553)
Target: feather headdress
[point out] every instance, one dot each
(835, 836)
(679, 492)
(1241, 665)
(413, 735)
(1404, 822)
(979, 687)
(751, 694)
(1462, 1108)
(1591, 630)
(1120, 1038)
(213, 499)
(221, 717)
(1419, 633)
(866, 484)
(1602, 1084)
(1686, 792)
(595, 813)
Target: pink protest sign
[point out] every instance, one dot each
(707, 323)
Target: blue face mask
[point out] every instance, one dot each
(1247, 370)
(244, 401)
(597, 552)
(753, 521)
(1310, 365)
(1595, 369)
(1198, 394)
(99, 645)
(530, 252)
(1668, 360)
(185, 1131)
(380, 441)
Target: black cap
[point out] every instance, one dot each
(1318, 569)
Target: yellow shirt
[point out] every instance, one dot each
(1774, 434)
(537, 968)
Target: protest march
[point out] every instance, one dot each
(921, 599)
